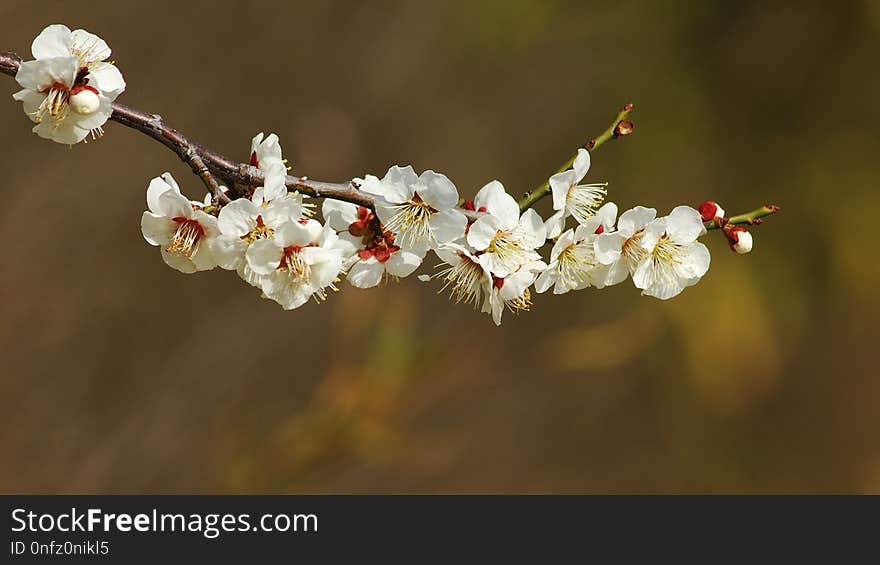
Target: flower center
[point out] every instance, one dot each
(412, 221)
(664, 258)
(575, 265)
(585, 199)
(187, 237)
(55, 104)
(510, 248)
(260, 231)
(521, 303)
(465, 280)
(633, 251)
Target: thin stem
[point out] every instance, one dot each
(749, 218)
(199, 168)
(619, 127)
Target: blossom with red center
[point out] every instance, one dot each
(511, 292)
(184, 233)
(378, 255)
(507, 238)
(69, 88)
(421, 210)
(574, 261)
(302, 261)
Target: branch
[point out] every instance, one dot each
(750, 218)
(619, 127)
(190, 152)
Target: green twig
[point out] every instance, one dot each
(749, 218)
(619, 127)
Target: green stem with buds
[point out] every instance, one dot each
(749, 218)
(619, 127)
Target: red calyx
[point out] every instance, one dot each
(600, 229)
(254, 161)
(77, 89)
(708, 210)
(497, 282)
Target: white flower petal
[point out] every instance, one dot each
(40, 75)
(437, 191)
(555, 224)
(287, 208)
(30, 102)
(500, 204)
(560, 184)
(448, 225)
(483, 231)
(547, 279)
(643, 276)
(694, 262)
(531, 226)
(229, 252)
(563, 242)
(633, 220)
(402, 263)
(263, 256)
(93, 47)
(54, 41)
(684, 224)
(237, 218)
(174, 205)
(366, 274)
(653, 232)
(178, 262)
(607, 247)
(156, 229)
(338, 214)
(106, 78)
(581, 164)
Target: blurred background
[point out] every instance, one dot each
(122, 375)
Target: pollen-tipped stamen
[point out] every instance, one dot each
(412, 222)
(575, 265)
(187, 237)
(584, 200)
(465, 279)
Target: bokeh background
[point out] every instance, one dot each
(121, 375)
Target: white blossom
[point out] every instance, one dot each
(376, 256)
(664, 256)
(244, 221)
(505, 239)
(574, 261)
(511, 292)
(419, 209)
(463, 273)
(302, 260)
(69, 87)
(266, 155)
(570, 198)
(173, 223)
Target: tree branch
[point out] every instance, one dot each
(154, 126)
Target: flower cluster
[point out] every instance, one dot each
(490, 248)
(68, 88)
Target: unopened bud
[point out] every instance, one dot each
(624, 127)
(710, 210)
(84, 100)
(740, 239)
